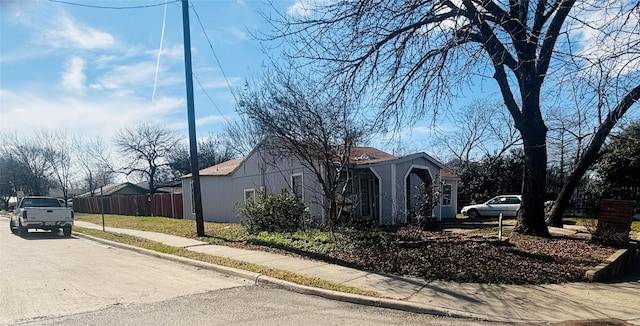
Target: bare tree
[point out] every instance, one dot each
(31, 163)
(11, 177)
(212, 150)
(94, 158)
(480, 129)
(146, 148)
(605, 87)
(243, 135)
(58, 150)
(316, 126)
(414, 55)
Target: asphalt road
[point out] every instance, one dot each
(53, 280)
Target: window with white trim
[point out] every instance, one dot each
(249, 195)
(297, 185)
(446, 195)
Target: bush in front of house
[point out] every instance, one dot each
(281, 212)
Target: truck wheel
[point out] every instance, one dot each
(55, 231)
(66, 231)
(12, 227)
(22, 231)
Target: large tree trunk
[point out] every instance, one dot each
(530, 218)
(589, 157)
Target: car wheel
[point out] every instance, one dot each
(474, 213)
(22, 231)
(66, 231)
(12, 227)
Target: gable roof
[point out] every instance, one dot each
(366, 155)
(448, 175)
(224, 168)
(114, 188)
(359, 156)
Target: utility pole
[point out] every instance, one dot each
(193, 145)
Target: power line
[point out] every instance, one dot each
(214, 53)
(111, 7)
(210, 98)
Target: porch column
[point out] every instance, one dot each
(394, 200)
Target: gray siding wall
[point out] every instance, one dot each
(450, 211)
(217, 200)
(223, 196)
(393, 189)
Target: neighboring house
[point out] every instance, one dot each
(171, 187)
(130, 199)
(382, 187)
(58, 193)
(117, 189)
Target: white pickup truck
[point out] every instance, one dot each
(41, 213)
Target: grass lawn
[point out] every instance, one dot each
(469, 256)
(591, 223)
(217, 233)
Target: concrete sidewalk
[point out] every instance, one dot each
(514, 303)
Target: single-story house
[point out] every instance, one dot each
(58, 193)
(381, 186)
(117, 189)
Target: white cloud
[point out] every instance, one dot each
(200, 122)
(88, 116)
(73, 77)
(608, 37)
(237, 33)
(65, 33)
(304, 8)
(126, 76)
(299, 9)
(210, 120)
(222, 83)
(173, 52)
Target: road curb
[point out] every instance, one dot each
(261, 279)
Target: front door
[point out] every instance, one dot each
(367, 185)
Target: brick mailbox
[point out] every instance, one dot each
(614, 221)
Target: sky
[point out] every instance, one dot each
(92, 67)
(93, 71)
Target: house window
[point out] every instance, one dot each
(446, 195)
(249, 195)
(296, 186)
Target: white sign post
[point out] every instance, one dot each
(500, 228)
(101, 184)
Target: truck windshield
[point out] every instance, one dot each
(40, 202)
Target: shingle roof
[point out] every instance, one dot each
(113, 188)
(366, 155)
(224, 168)
(447, 174)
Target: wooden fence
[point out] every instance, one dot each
(167, 205)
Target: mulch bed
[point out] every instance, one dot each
(469, 257)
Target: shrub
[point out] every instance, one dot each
(275, 213)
